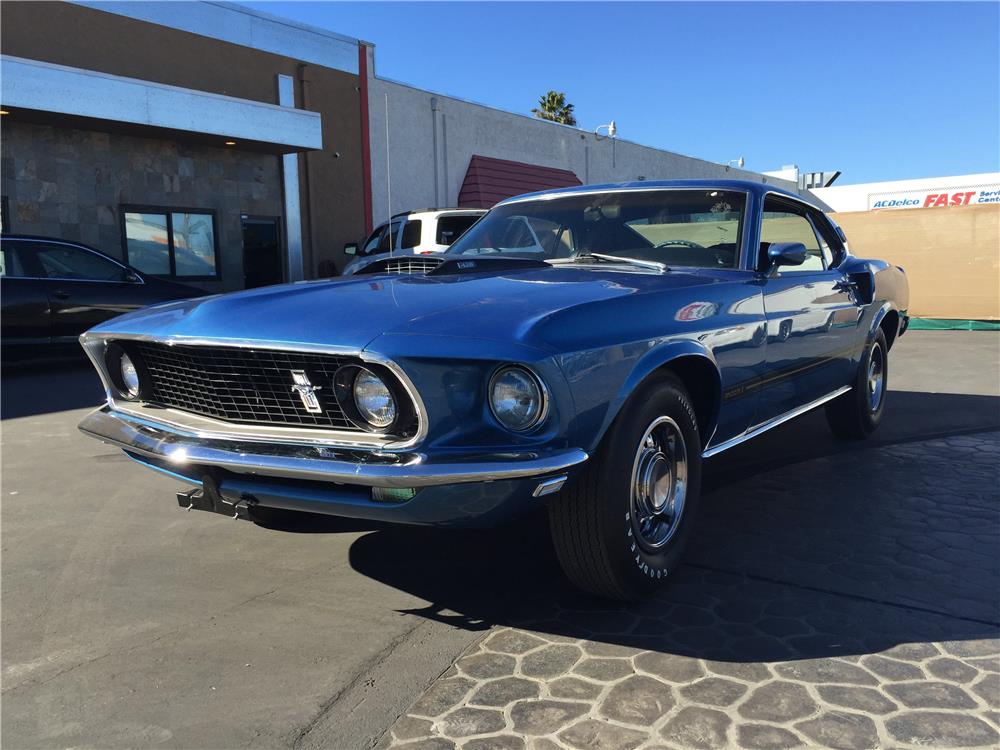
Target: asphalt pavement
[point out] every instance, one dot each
(127, 622)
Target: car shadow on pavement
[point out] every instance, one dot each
(309, 523)
(38, 387)
(844, 553)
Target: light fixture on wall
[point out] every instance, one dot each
(230, 143)
(610, 127)
(4, 112)
(612, 133)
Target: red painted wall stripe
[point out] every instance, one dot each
(366, 146)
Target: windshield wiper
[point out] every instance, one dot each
(656, 265)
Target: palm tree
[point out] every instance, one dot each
(553, 107)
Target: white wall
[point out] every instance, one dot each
(433, 137)
(910, 193)
(790, 173)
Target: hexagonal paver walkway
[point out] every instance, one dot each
(869, 632)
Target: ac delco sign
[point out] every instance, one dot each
(935, 198)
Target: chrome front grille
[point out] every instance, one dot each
(243, 385)
(411, 264)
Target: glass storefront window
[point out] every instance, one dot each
(194, 244)
(181, 244)
(147, 242)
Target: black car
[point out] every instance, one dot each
(51, 291)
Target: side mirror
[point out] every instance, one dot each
(787, 254)
(132, 278)
(351, 248)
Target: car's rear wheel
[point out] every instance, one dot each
(856, 414)
(619, 529)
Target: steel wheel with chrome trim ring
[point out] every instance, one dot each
(856, 414)
(876, 377)
(620, 527)
(659, 483)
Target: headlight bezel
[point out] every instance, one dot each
(367, 413)
(343, 384)
(130, 376)
(114, 354)
(543, 397)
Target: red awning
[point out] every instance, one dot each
(491, 180)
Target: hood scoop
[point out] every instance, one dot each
(402, 264)
(484, 264)
(449, 266)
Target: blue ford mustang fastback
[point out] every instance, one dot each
(583, 349)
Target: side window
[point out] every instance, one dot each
(383, 241)
(372, 243)
(517, 234)
(64, 262)
(450, 228)
(11, 266)
(549, 235)
(829, 242)
(781, 223)
(411, 235)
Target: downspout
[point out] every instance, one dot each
(444, 149)
(434, 140)
(366, 145)
(306, 182)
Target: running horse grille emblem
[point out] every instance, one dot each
(307, 391)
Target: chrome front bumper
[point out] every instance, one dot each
(184, 453)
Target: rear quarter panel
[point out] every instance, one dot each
(885, 286)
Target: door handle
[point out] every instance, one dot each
(60, 295)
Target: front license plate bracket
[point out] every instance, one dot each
(208, 497)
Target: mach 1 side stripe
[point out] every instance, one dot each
(748, 386)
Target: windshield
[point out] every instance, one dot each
(675, 227)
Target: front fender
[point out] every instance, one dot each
(630, 366)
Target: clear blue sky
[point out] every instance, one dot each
(878, 90)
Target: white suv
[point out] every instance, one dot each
(422, 232)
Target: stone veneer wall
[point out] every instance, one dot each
(69, 183)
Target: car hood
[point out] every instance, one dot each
(349, 313)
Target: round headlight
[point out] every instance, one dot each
(516, 399)
(374, 399)
(130, 376)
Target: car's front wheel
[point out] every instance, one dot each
(619, 529)
(856, 414)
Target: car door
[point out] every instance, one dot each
(812, 312)
(25, 318)
(84, 288)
